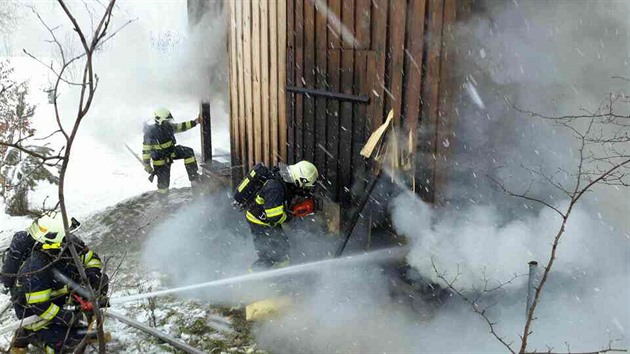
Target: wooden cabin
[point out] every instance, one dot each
(311, 79)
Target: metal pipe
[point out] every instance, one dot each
(168, 339)
(328, 94)
(532, 284)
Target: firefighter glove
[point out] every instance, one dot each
(148, 169)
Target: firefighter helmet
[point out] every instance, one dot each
(161, 115)
(49, 230)
(303, 174)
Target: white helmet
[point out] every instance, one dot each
(303, 174)
(49, 231)
(161, 115)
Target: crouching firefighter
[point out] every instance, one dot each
(42, 289)
(160, 147)
(271, 197)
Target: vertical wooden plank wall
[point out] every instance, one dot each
(393, 51)
(257, 46)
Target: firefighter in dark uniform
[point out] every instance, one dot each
(40, 291)
(21, 246)
(271, 209)
(161, 146)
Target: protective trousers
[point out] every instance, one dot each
(53, 339)
(163, 167)
(272, 246)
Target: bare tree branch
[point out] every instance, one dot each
(473, 304)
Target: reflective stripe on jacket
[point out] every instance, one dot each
(269, 207)
(159, 140)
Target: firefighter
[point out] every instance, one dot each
(160, 146)
(40, 288)
(271, 209)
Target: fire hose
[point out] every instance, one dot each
(387, 254)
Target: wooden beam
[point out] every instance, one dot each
(395, 54)
(413, 73)
(256, 78)
(206, 132)
(299, 79)
(282, 77)
(290, 70)
(445, 134)
(426, 160)
(235, 148)
(248, 81)
(378, 42)
(273, 80)
(333, 127)
(358, 123)
(333, 113)
(321, 20)
(309, 80)
(264, 81)
(363, 13)
(347, 75)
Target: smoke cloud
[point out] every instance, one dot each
(551, 57)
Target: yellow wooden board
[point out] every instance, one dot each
(268, 308)
(374, 139)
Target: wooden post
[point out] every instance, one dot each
(206, 133)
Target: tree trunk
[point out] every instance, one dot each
(17, 205)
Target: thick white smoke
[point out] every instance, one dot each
(552, 57)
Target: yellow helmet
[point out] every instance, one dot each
(49, 231)
(303, 174)
(161, 115)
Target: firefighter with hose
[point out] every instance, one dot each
(271, 197)
(41, 288)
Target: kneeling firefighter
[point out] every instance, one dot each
(272, 197)
(160, 146)
(42, 289)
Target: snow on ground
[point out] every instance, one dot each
(153, 62)
(147, 66)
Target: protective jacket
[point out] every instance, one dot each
(270, 207)
(22, 245)
(159, 141)
(39, 292)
